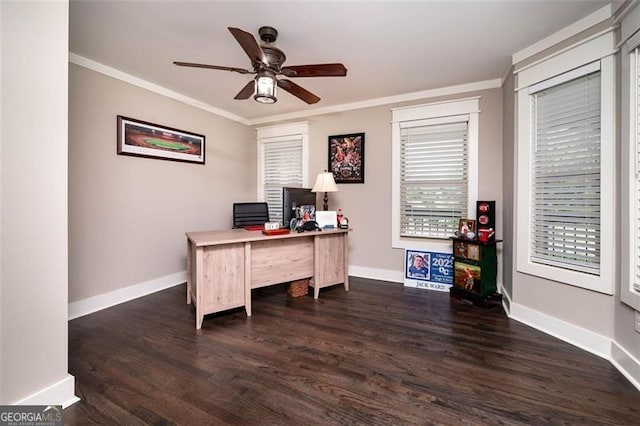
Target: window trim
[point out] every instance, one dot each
(414, 116)
(599, 49)
(280, 133)
(629, 142)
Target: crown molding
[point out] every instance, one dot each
(128, 78)
(413, 96)
(407, 97)
(569, 31)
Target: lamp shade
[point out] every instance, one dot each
(265, 87)
(325, 183)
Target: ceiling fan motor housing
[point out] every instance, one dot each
(275, 57)
(268, 34)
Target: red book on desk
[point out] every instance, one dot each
(254, 227)
(279, 231)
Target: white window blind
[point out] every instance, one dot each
(281, 166)
(433, 179)
(565, 216)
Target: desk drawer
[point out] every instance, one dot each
(281, 260)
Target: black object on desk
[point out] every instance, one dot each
(250, 214)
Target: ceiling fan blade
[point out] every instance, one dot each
(249, 44)
(317, 70)
(246, 91)
(213, 67)
(298, 91)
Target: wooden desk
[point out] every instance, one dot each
(224, 266)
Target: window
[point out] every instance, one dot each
(433, 179)
(565, 181)
(630, 137)
(282, 161)
(565, 168)
(434, 171)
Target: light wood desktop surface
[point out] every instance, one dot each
(224, 266)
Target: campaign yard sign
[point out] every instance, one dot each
(433, 271)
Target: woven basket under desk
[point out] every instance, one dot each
(298, 288)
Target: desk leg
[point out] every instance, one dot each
(189, 272)
(346, 261)
(199, 319)
(247, 278)
(316, 267)
(199, 255)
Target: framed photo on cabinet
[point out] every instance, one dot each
(465, 226)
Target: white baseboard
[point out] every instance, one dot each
(584, 339)
(376, 274)
(102, 301)
(626, 364)
(60, 393)
(506, 299)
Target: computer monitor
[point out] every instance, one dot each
(292, 198)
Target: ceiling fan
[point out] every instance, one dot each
(266, 62)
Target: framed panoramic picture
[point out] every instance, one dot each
(346, 158)
(142, 139)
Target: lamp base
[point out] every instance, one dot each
(326, 202)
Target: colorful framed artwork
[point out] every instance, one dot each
(346, 157)
(467, 276)
(143, 139)
(465, 226)
(465, 250)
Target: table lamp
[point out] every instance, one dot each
(325, 183)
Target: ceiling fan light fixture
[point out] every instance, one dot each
(266, 63)
(265, 85)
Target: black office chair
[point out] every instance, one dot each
(250, 214)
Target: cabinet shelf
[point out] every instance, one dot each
(475, 266)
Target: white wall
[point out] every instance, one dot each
(626, 337)
(368, 205)
(594, 321)
(33, 191)
(128, 215)
(581, 308)
(508, 183)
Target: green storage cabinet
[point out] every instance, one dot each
(475, 266)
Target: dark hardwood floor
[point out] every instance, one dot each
(379, 354)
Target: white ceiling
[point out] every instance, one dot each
(389, 47)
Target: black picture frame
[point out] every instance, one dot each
(143, 139)
(346, 157)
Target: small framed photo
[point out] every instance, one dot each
(346, 158)
(465, 226)
(142, 139)
(466, 250)
(417, 265)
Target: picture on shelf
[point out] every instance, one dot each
(467, 276)
(307, 213)
(303, 214)
(465, 250)
(465, 226)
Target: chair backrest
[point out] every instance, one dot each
(248, 214)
